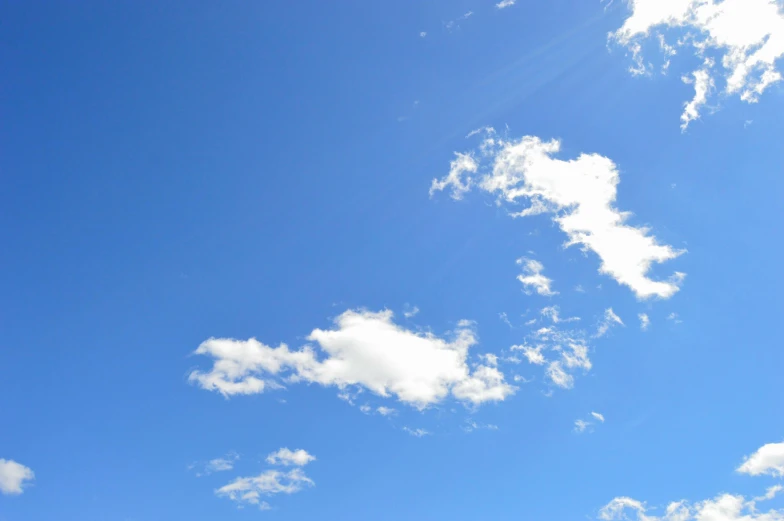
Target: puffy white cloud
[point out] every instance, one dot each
(610, 319)
(503, 4)
(598, 416)
(14, 477)
(768, 459)
(645, 321)
(366, 350)
(532, 278)
(533, 354)
(288, 458)
(385, 411)
(249, 490)
(745, 36)
(580, 193)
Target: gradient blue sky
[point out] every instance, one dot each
(177, 171)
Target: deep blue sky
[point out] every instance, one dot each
(176, 171)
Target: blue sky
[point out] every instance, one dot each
(181, 178)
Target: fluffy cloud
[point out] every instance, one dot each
(745, 36)
(14, 477)
(366, 350)
(598, 416)
(503, 4)
(289, 457)
(249, 490)
(579, 193)
(769, 459)
(532, 278)
(724, 507)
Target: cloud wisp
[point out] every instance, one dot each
(14, 477)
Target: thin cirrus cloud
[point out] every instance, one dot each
(365, 350)
(560, 351)
(769, 459)
(14, 477)
(579, 194)
(746, 37)
(270, 482)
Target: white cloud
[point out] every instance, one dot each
(533, 354)
(673, 317)
(410, 312)
(288, 458)
(216, 465)
(568, 347)
(248, 490)
(503, 4)
(645, 321)
(724, 507)
(610, 319)
(580, 193)
(553, 313)
(580, 426)
(14, 477)
(703, 86)
(532, 278)
(418, 433)
(746, 37)
(366, 350)
(769, 459)
(385, 411)
(423, 34)
(598, 416)
(456, 180)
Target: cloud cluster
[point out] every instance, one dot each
(249, 490)
(769, 459)
(365, 350)
(745, 36)
(580, 195)
(561, 351)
